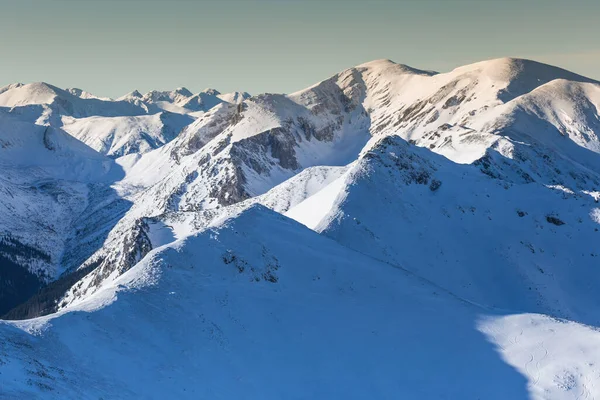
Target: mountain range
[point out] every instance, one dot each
(386, 233)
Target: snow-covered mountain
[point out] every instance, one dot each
(118, 136)
(55, 178)
(134, 123)
(466, 199)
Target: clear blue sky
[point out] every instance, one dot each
(112, 47)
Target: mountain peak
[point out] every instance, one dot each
(41, 86)
(11, 86)
(83, 94)
(234, 97)
(183, 91)
(382, 62)
(211, 91)
(387, 64)
(31, 93)
(518, 75)
(511, 68)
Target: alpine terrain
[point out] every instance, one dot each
(387, 233)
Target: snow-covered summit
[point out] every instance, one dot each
(85, 95)
(234, 97)
(211, 91)
(32, 93)
(135, 94)
(386, 64)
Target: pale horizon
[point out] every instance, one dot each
(288, 92)
(111, 48)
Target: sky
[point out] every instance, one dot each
(110, 47)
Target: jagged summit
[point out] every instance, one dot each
(183, 91)
(234, 97)
(10, 86)
(86, 95)
(135, 94)
(210, 91)
(77, 92)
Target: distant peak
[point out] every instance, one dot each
(43, 85)
(504, 64)
(385, 63)
(82, 93)
(183, 91)
(511, 69)
(213, 92)
(11, 86)
(513, 77)
(234, 97)
(382, 62)
(131, 95)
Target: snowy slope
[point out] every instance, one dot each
(166, 228)
(567, 107)
(458, 113)
(493, 233)
(118, 136)
(259, 307)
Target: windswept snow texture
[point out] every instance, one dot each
(388, 232)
